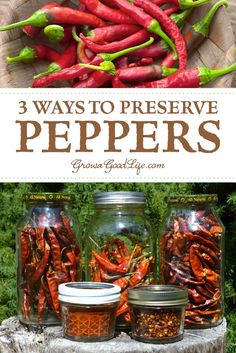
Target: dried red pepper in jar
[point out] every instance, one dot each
(191, 251)
(48, 254)
(120, 245)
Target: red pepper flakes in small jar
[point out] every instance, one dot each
(89, 310)
(157, 313)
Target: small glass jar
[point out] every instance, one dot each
(191, 252)
(89, 310)
(157, 313)
(120, 246)
(48, 253)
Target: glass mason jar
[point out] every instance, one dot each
(89, 310)
(48, 254)
(191, 253)
(120, 246)
(157, 313)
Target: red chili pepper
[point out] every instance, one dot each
(28, 54)
(170, 28)
(53, 289)
(189, 78)
(122, 63)
(122, 282)
(140, 272)
(34, 31)
(144, 19)
(78, 71)
(57, 15)
(55, 250)
(69, 231)
(141, 74)
(95, 79)
(116, 83)
(156, 50)
(41, 302)
(198, 32)
(109, 266)
(107, 13)
(135, 39)
(24, 244)
(171, 10)
(112, 33)
(41, 266)
(66, 59)
(123, 309)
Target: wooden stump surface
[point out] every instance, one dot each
(215, 52)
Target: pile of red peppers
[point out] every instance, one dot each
(118, 43)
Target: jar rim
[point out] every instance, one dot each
(119, 197)
(47, 196)
(88, 292)
(161, 295)
(193, 199)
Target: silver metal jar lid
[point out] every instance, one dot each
(119, 197)
(158, 295)
(88, 293)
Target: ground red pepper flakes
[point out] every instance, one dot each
(89, 310)
(88, 323)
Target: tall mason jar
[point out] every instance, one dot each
(191, 253)
(48, 254)
(120, 245)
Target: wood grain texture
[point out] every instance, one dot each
(216, 51)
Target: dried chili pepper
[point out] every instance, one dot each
(28, 55)
(135, 39)
(78, 71)
(109, 266)
(41, 303)
(107, 13)
(144, 19)
(140, 272)
(66, 59)
(53, 289)
(41, 266)
(189, 78)
(112, 33)
(170, 28)
(57, 15)
(34, 31)
(198, 32)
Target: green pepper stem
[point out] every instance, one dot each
(53, 67)
(203, 25)
(38, 19)
(113, 56)
(167, 71)
(185, 4)
(75, 36)
(155, 27)
(27, 55)
(105, 66)
(179, 18)
(207, 75)
(55, 33)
